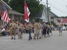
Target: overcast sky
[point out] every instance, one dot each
(57, 6)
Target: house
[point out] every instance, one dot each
(36, 16)
(42, 15)
(52, 16)
(14, 15)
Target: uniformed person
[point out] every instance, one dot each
(60, 28)
(20, 30)
(39, 30)
(29, 29)
(47, 29)
(36, 30)
(13, 30)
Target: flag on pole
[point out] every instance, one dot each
(26, 12)
(4, 15)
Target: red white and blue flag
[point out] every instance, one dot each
(4, 15)
(26, 12)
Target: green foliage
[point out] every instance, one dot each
(33, 5)
(17, 5)
(6, 1)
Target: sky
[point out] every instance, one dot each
(58, 7)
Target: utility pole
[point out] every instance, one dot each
(47, 11)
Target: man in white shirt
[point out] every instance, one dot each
(3, 31)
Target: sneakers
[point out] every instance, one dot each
(13, 38)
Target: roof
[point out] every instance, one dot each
(51, 14)
(38, 15)
(14, 12)
(5, 4)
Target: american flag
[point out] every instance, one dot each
(4, 15)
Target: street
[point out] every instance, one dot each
(54, 42)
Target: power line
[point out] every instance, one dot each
(64, 1)
(57, 8)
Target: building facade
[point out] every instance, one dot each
(51, 15)
(13, 15)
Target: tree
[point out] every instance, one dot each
(6, 1)
(17, 5)
(34, 6)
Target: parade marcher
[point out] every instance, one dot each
(39, 30)
(13, 29)
(60, 28)
(50, 29)
(29, 29)
(36, 30)
(20, 30)
(47, 29)
(44, 29)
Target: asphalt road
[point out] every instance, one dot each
(54, 42)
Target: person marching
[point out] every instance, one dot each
(20, 30)
(60, 28)
(29, 28)
(39, 30)
(50, 29)
(13, 29)
(44, 30)
(47, 29)
(36, 29)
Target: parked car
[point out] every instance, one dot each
(64, 28)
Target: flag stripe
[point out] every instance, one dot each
(5, 17)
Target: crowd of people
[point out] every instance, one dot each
(39, 29)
